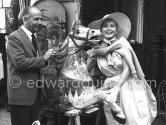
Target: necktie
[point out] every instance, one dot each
(34, 42)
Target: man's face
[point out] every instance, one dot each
(34, 20)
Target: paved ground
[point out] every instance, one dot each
(4, 116)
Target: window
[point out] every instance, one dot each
(2, 20)
(140, 18)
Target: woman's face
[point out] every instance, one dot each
(109, 29)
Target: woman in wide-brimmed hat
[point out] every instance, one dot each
(121, 20)
(118, 62)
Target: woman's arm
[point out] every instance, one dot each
(114, 91)
(125, 74)
(103, 51)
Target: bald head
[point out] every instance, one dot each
(27, 12)
(31, 18)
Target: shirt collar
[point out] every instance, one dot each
(27, 32)
(109, 41)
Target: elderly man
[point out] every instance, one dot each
(24, 63)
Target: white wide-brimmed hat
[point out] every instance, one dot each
(123, 22)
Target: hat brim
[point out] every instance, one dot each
(123, 22)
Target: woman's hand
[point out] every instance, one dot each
(113, 93)
(96, 52)
(91, 53)
(108, 96)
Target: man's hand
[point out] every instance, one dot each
(48, 54)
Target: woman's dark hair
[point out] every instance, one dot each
(52, 33)
(106, 20)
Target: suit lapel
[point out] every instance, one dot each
(28, 41)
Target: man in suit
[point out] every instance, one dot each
(24, 63)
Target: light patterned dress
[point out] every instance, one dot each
(135, 96)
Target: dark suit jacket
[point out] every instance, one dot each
(23, 69)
